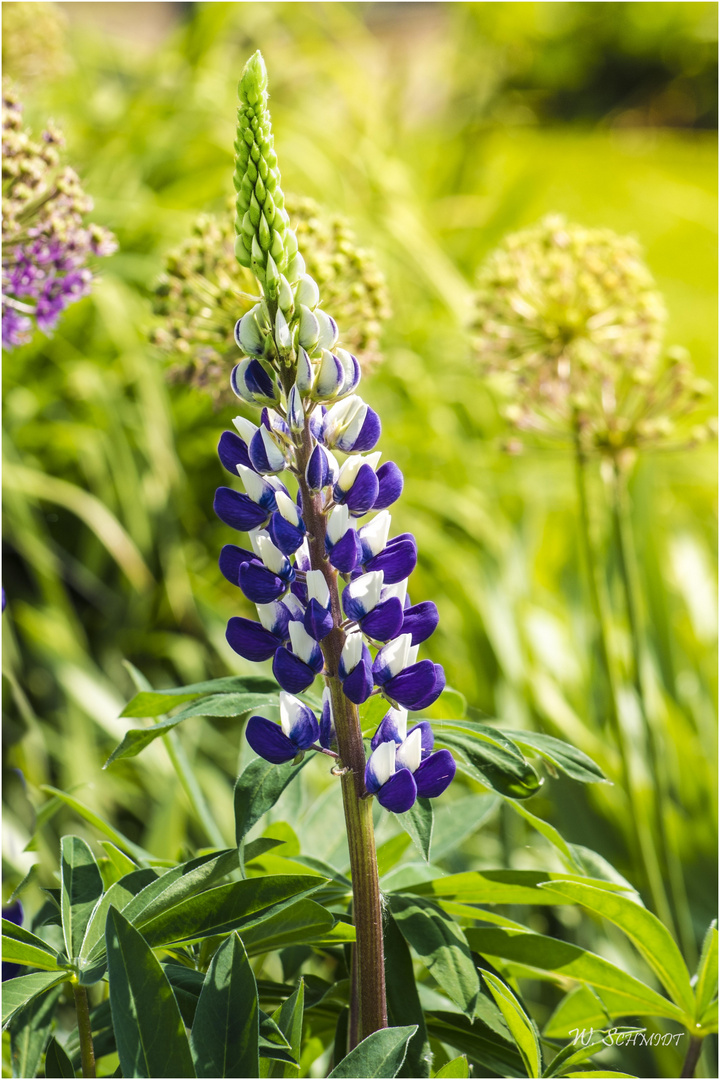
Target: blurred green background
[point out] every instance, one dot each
(435, 129)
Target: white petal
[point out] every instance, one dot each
(290, 706)
(409, 753)
(352, 651)
(272, 557)
(287, 508)
(395, 655)
(254, 484)
(275, 456)
(339, 521)
(246, 429)
(302, 644)
(375, 535)
(317, 588)
(366, 589)
(382, 762)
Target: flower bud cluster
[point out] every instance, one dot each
(33, 41)
(46, 245)
(315, 444)
(571, 324)
(199, 296)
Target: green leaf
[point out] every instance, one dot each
(81, 887)
(519, 1024)
(450, 705)
(175, 885)
(441, 946)
(18, 992)
(225, 1032)
(601, 1074)
(289, 1019)
(570, 961)
(380, 1055)
(136, 739)
(300, 923)
(57, 1063)
(568, 759)
(550, 833)
(19, 946)
(118, 896)
(576, 1053)
(122, 863)
(149, 1031)
(258, 789)
(591, 1007)
(476, 1039)
(371, 713)
(30, 1030)
(492, 761)
(706, 986)
(493, 886)
(403, 1002)
(457, 1069)
(418, 824)
(136, 852)
(157, 702)
(647, 933)
(224, 908)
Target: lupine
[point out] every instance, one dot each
(46, 246)
(305, 384)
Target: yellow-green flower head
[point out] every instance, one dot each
(261, 221)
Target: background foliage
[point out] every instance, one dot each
(435, 129)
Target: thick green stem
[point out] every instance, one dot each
(640, 835)
(692, 1057)
(87, 1050)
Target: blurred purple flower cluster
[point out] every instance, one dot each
(46, 245)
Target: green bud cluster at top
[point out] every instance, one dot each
(570, 322)
(263, 233)
(203, 292)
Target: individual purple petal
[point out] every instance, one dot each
(434, 774)
(260, 584)
(399, 793)
(433, 694)
(284, 535)
(427, 739)
(269, 741)
(237, 510)
(345, 554)
(413, 684)
(305, 730)
(362, 494)
(250, 639)
(392, 728)
(327, 723)
(397, 560)
(420, 621)
(368, 435)
(233, 451)
(390, 481)
(265, 455)
(384, 621)
(258, 381)
(318, 620)
(293, 674)
(317, 473)
(230, 561)
(358, 685)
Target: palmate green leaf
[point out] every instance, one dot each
(18, 992)
(156, 702)
(418, 824)
(646, 932)
(519, 1024)
(441, 946)
(477, 1040)
(491, 758)
(457, 1069)
(226, 1031)
(118, 896)
(81, 886)
(30, 1030)
(149, 1030)
(57, 1063)
(258, 789)
(289, 1019)
(568, 961)
(495, 886)
(224, 908)
(403, 1002)
(134, 850)
(706, 985)
(19, 946)
(380, 1055)
(568, 759)
(136, 739)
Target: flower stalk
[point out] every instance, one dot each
(87, 1049)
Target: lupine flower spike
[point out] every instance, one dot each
(314, 502)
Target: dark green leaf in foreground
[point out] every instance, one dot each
(57, 1063)
(477, 1040)
(175, 885)
(380, 1055)
(156, 702)
(568, 759)
(493, 761)
(289, 1019)
(441, 946)
(418, 824)
(82, 886)
(29, 1032)
(258, 789)
(149, 1031)
(403, 1002)
(18, 992)
(225, 1031)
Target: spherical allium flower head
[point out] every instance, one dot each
(46, 244)
(571, 323)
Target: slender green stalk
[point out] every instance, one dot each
(661, 786)
(191, 787)
(87, 1050)
(640, 835)
(692, 1056)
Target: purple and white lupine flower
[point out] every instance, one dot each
(328, 736)
(295, 667)
(298, 731)
(355, 669)
(394, 788)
